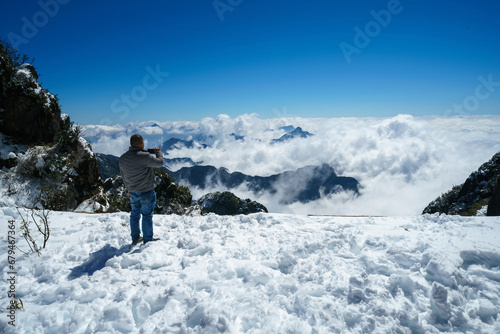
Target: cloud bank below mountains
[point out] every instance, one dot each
(403, 163)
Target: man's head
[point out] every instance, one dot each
(137, 141)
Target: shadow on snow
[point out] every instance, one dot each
(97, 260)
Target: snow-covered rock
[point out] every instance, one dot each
(59, 176)
(226, 203)
(471, 197)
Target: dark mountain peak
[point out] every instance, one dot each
(297, 133)
(324, 170)
(174, 143)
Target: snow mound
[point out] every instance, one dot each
(260, 273)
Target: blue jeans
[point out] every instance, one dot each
(142, 203)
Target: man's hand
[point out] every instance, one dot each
(129, 192)
(157, 149)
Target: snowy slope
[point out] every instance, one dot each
(261, 273)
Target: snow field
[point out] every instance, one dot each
(261, 273)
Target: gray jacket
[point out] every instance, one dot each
(136, 167)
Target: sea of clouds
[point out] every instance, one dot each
(402, 163)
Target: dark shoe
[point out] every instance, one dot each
(136, 241)
(155, 239)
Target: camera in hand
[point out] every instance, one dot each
(151, 150)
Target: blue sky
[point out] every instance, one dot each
(118, 61)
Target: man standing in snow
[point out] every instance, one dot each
(136, 167)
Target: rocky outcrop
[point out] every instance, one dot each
(494, 202)
(47, 153)
(226, 203)
(27, 111)
(171, 197)
(66, 172)
(87, 182)
(474, 194)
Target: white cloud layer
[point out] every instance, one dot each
(403, 163)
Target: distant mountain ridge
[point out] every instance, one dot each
(174, 143)
(108, 165)
(291, 133)
(304, 185)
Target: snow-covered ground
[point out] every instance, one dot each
(261, 273)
